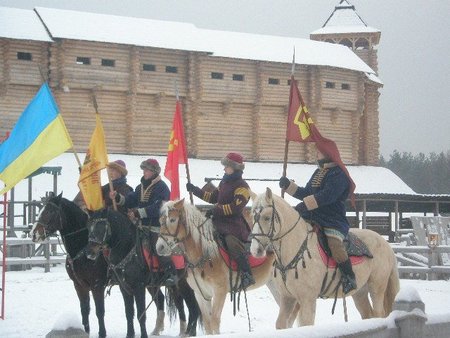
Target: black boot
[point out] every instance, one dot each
(347, 276)
(246, 272)
(170, 277)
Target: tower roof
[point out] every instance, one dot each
(344, 19)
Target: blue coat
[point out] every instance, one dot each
(330, 194)
(149, 198)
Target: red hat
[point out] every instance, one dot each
(151, 164)
(234, 160)
(120, 166)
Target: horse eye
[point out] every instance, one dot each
(267, 218)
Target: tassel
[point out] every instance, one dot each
(296, 274)
(303, 264)
(275, 273)
(210, 264)
(203, 274)
(309, 254)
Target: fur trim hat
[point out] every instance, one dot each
(120, 166)
(151, 164)
(233, 160)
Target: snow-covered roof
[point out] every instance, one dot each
(185, 36)
(22, 24)
(344, 19)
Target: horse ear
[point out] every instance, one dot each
(179, 205)
(252, 195)
(268, 195)
(60, 195)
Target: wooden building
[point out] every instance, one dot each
(234, 86)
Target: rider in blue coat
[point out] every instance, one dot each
(144, 203)
(323, 203)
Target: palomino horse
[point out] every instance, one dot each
(301, 271)
(60, 214)
(114, 231)
(209, 274)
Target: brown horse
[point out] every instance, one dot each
(302, 274)
(208, 275)
(60, 214)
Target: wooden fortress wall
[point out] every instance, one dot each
(228, 104)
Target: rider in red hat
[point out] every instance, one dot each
(230, 199)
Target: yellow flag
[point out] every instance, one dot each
(96, 160)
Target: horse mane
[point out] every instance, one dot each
(73, 211)
(201, 229)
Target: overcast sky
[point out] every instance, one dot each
(413, 53)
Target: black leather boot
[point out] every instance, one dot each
(347, 276)
(246, 272)
(170, 277)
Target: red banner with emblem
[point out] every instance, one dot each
(177, 153)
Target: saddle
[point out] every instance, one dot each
(355, 247)
(150, 258)
(231, 263)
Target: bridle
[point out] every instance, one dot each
(271, 234)
(46, 226)
(107, 233)
(272, 237)
(171, 239)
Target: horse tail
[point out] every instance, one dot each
(392, 289)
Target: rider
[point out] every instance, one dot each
(144, 204)
(323, 203)
(118, 172)
(227, 214)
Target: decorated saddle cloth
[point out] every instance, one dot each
(355, 247)
(150, 258)
(253, 261)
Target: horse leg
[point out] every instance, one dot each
(99, 300)
(83, 297)
(218, 303)
(139, 298)
(158, 298)
(129, 311)
(307, 312)
(192, 305)
(205, 306)
(362, 303)
(177, 299)
(293, 315)
(287, 305)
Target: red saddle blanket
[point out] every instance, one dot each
(254, 261)
(331, 263)
(153, 261)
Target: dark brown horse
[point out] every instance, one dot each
(114, 231)
(60, 214)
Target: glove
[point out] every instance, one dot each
(209, 213)
(284, 182)
(301, 208)
(190, 187)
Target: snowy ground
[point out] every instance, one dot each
(36, 301)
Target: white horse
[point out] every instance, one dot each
(301, 271)
(208, 273)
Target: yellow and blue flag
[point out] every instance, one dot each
(38, 136)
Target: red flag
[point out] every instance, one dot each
(176, 154)
(301, 128)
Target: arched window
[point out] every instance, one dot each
(362, 43)
(346, 42)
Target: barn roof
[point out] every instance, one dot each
(345, 19)
(22, 24)
(185, 36)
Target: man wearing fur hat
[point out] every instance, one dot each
(323, 203)
(230, 199)
(144, 204)
(118, 172)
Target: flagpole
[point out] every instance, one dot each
(286, 144)
(111, 187)
(188, 175)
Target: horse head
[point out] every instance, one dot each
(173, 228)
(99, 234)
(270, 212)
(50, 220)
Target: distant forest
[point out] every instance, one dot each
(426, 174)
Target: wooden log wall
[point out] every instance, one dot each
(220, 115)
